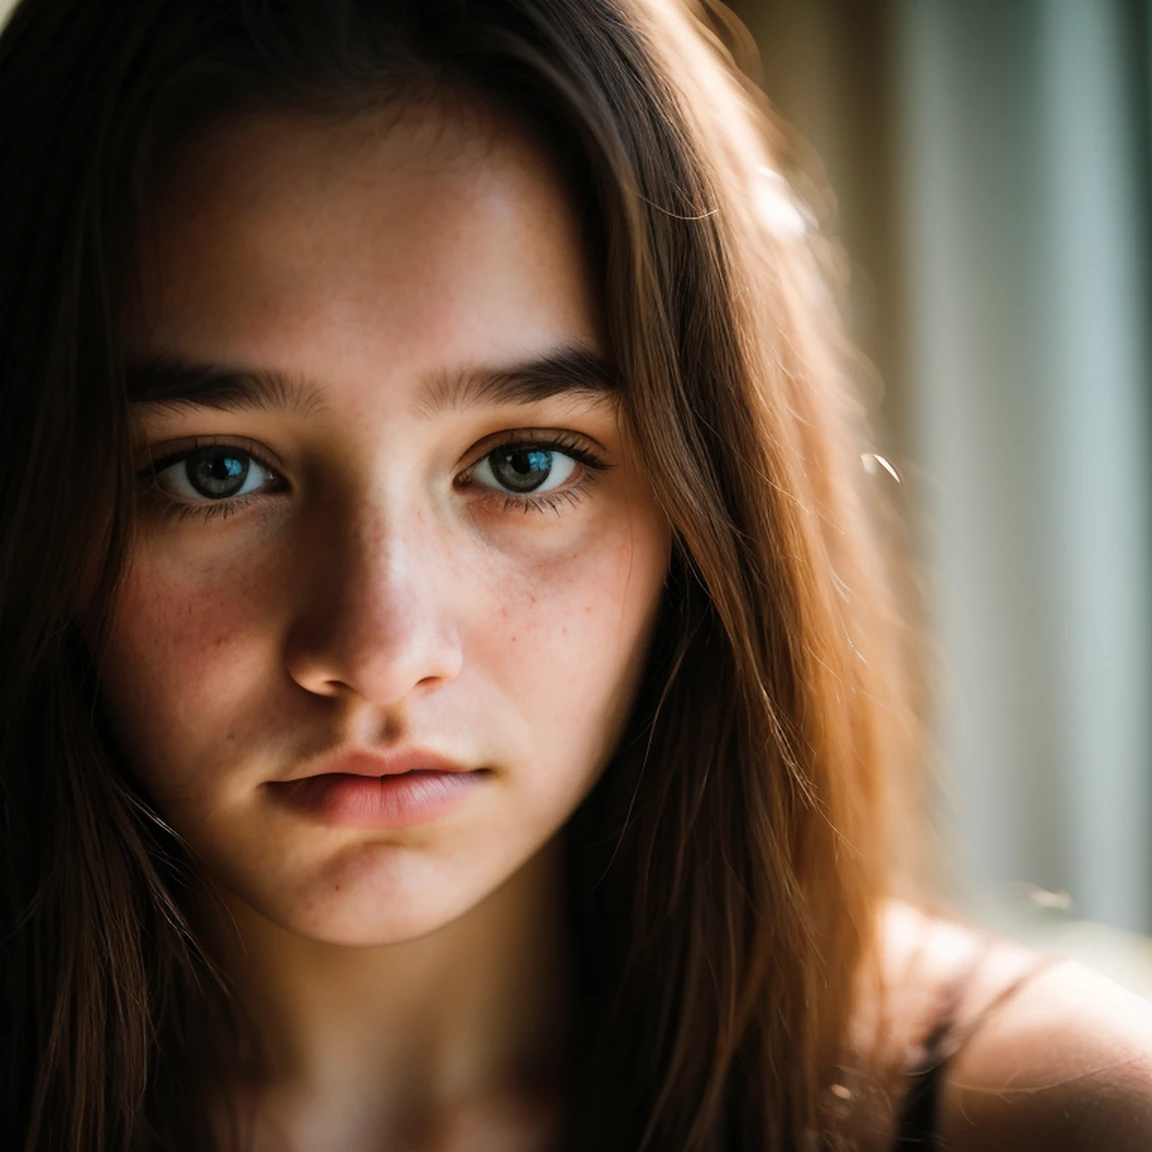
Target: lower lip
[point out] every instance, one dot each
(380, 801)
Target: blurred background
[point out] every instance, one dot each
(991, 164)
(991, 167)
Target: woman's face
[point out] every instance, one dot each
(393, 513)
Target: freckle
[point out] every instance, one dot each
(337, 887)
(587, 609)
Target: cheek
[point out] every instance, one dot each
(185, 654)
(571, 637)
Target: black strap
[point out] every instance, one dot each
(918, 1127)
(919, 1118)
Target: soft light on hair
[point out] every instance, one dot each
(727, 872)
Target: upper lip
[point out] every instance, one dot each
(364, 762)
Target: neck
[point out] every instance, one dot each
(409, 1039)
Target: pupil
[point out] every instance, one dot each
(222, 475)
(522, 470)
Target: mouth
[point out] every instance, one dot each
(361, 789)
(366, 762)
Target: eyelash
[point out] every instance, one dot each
(221, 509)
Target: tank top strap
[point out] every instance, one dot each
(918, 1128)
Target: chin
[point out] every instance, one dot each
(368, 908)
(377, 931)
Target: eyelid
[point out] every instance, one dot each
(154, 458)
(150, 487)
(566, 441)
(171, 452)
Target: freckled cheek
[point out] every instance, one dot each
(568, 632)
(184, 655)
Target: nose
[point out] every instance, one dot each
(374, 618)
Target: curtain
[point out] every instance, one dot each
(992, 164)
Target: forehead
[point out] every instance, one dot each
(414, 237)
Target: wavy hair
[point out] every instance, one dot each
(725, 874)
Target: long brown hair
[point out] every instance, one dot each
(726, 873)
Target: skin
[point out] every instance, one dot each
(1055, 1058)
(410, 983)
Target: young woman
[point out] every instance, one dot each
(451, 696)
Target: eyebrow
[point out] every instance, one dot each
(175, 382)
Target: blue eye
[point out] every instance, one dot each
(211, 474)
(524, 469)
(215, 480)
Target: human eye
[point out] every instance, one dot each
(534, 472)
(208, 479)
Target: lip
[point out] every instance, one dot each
(363, 762)
(362, 789)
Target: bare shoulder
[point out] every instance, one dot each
(1063, 1064)
(1051, 1056)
